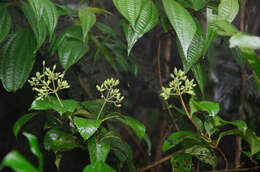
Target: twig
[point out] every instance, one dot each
(161, 84)
(85, 88)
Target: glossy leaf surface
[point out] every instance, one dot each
(18, 59)
(86, 127)
(243, 40)
(98, 166)
(182, 23)
(227, 10)
(52, 103)
(21, 122)
(98, 150)
(87, 20)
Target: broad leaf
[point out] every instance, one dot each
(86, 127)
(21, 121)
(179, 137)
(37, 8)
(17, 162)
(50, 17)
(225, 28)
(210, 107)
(94, 106)
(57, 140)
(98, 150)
(194, 4)
(199, 75)
(249, 136)
(182, 22)
(137, 126)
(35, 149)
(87, 20)
(18, 59)
(204, 154)
(181, 162)
(5, 22)
(147, 19)
(252, 59)
(130, 9)
(70, 52)
(227, 10)
(52, 103)
(98, 166)
(243, 40)
(38, 26)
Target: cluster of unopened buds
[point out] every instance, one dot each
(109, 93)
(179, 85)
(49, 82)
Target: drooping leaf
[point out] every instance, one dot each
(71, 52)
(204, 154)
(58, 140)
(199, 75)
(249, 136)
(5, 22)
(181, 162)
(137, 126)
(21, 121)
(147, 19)
(211, 107)
(252, 59)
(177, 138)
(130, 9)
(243, 40)
(38, 26)
(52, 103)
(225, 28)
(98, 166)
(87, 20)
(37, 8)
(17, 60)
(98, 150)
(86, 127)
(17, 162)
(35, 149)
(50, 17)
(182, 23)
(227, 10)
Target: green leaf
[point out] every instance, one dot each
(35, 149)
(226, 28)
(210, 107)
(71, 52)
(17, 60)
(137, 126)
(50, 17)
(98, 166)
(98, 10)
(199, 75)
(243, 40)
(179, 137)
(204, 154)
(94, 106)
(181, 162)
(147, 19)
(227, 10)
(21, 121)
(70, 33)
(52, 103)
(87, 20)
(182, 22)
(37, 8)
(149, 144)
(130, 9)
(253, 60)
(194, 4)
(38, 26)
(211, 29)
(121, 149)
(98, 150)
(57, 140)
(17, 162)
(87, 127)
(5, 22)
(249, 136)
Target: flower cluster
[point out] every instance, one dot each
(179, 85)
(109, 93)
(48, 82)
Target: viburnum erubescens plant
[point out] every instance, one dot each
(68, 30)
